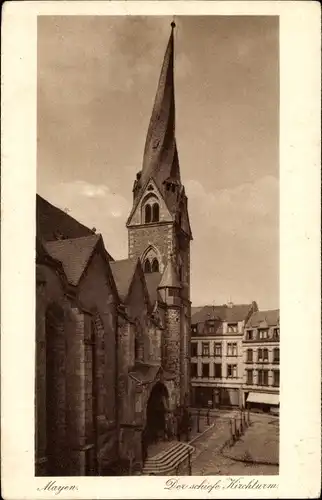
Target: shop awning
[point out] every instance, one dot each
(262, 397)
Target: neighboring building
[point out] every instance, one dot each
(113, 357)
(217, 354)
(261, 353)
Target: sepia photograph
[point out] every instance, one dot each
(160, 248)
(157, 246)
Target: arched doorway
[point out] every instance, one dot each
(156, 413)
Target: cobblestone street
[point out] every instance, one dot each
(209, 460)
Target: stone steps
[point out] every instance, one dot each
(168, 460)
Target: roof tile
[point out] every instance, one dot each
(269, 318)
(123, 272)
(74, 254)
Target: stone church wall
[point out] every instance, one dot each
(96, 294)
(158, 235)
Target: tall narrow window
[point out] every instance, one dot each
(147, 213)
(194, 349)
(276, 355)
(193, 370)
(205, 348)
(147, 266)
(249, 377)
(205, 370)
(155, 266)
(249, 356)
(155, 212)
(276, 378)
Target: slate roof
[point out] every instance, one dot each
(264, 318)
(232, 314)
(160, 159)
(52, 222)
(51, 219)
(74, 255)
(152, 282)
(169, 277)
(123, 271)
(195, 309)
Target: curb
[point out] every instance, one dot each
(245, 461)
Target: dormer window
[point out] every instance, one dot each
(249, 335)
(263, 333)
(156, 144)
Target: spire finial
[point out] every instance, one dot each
(173, 24)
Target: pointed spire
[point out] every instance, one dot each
(160, 159)
(170, 278)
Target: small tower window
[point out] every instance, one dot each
(136, 349)
(147, 266)
(148, 213)
(155, 266)
(155, 212)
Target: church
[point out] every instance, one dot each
(113, 336)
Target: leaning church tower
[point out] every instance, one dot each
(158, 226)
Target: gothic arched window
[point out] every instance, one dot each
(155, 212)
(147, 266)
(155, 266)
(147, 213)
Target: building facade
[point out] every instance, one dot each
(217, 370)
(261, 358)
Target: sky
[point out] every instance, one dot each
(97, 78)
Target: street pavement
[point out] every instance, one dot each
(208, 459)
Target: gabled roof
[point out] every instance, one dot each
(43, 258)
(264, 318)
(123, 272)
(53, 222)
(74, 254)
(195, 310)
(238, 312)
(233, 314)
(169, 277)
(51, 219)
(152, 282)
